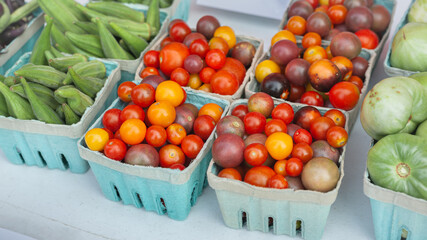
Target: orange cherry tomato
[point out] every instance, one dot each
(315, 53)
(337, 116)
(227, 33)
(96, 139)
(297, 25)
(170, 91)
(161, 113)
(280, 167)
(282, 35)
(133, 131)
(230, 173)
(219, 43)
(357, 81)
(176, 133)
(205, 88)
(213, 110)
(279, 145)
(311, 39)
(337, 14)
(344, 65)
(337, 137)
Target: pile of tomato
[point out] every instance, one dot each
(156, 128)
(267, 146)
(209, 59)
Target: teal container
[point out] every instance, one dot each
(162, 190)
(35, 143)
(274, 210)
(23, 43)
(395, 213)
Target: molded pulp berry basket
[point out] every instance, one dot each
(33, 142)
(390, 70)
(393, 212)
(389, 4)
(157, 189)
(259, 45)
(253, 86)
(23, 43)
(279, 210)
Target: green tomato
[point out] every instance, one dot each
(399, 162)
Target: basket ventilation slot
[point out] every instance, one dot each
(298, 228)
(270, 224)
(138, 200)
(42, 158)
(64, 161)
(116, 190)
(162, 206)
(20, 154)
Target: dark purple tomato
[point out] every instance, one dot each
(192, 108)
(297, 71)
(332, 33)
(300, 8)
(227, 150)
(276, 85)
(360, 65)
(305, 115)
(185, 117)
(142, 154)
(320, 23)
(341, 27)
(193, 63)
(230, 124)
(255, 138)
(292, 128)
(207, 26)
(244, 52)
(359, 18)
(321, 148)
(191, 37)
(153, 80)
(284, 51)
(381, 18)
(349, 4)
(294, 183)
(346, 44)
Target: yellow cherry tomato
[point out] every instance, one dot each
(264, 68)
(324, 2)
(96, 139)
(227, 33)
(279, 145)
(205, 87)
(170, 91)
(283, 35)
(194, 82)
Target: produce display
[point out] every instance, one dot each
(157, 129)
(101, 29)
(332, 76)
(56, 94)
(14, 17)
(210, 59)
(162, 3)
(325, 19)
(298, 150)
(394, 112)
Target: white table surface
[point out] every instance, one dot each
(52, 204)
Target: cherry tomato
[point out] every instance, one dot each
(322, 8)
(111, 119)
(219, 43)
(264, 68)
(171, 23)
(213, 110)
(280, 167)
(143, 95)
(178, 166)
(230, 173)
(176, 133)
(240, 111)
(203, 126)
(336, 2)
(315, 53)
(344, 65)
(133, 131)
(357, 81)
(296, 25)
(215, 59)
(320, 126)
(199, 47)
(124, 91)
(279, 145)
(284, 112)
(337, 14)
(191, 145)
(96, 139)
(115, 149)
(151, 59)
(294, 167)
(117, 135)
(296, 93)
(179, 31)
(302, 136)
(344, 95)
(283, 35)
(110, 133)
(324, 2)
(171, 92)
(205, 88)
(165, 42)
(259, 176)
(132, 112)
(161, 113)
(255, 154)
(337, 116)
(227, 33)
(337, 137)
(254, 122)
(194, 81)
(181, 76)
(311, 39)
(236, 68)
(206, 74)
(312, 98)
(156, 136)
(368, 38)
(148, 71)
(275, 125)
(305, 116)
(172, 56)
(170, 155)
(224, 83)
(278, 181)
(302, 151)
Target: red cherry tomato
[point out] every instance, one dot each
(284, 112)
(337, 116)
(368, 38)
(124, 91)
(259, 176)
(255, 154)
(111, 119)
(148, 71)
(280, 167)
(206, 74)
(312, 98)
(254, 123)
(278, 181)
(165, 42)
(143, 95)
(178, 166)
(320, 126)
(224, 83)
(240, 111)
(230, 173)
(294, 167)
(275, 125)
(302, 151)
(191, 145)
(203, 126)
(151, 59)
(179, 31)
(115, 149)
(132, 112)
(172, 56)
(199, 47)
(337, 137)
(344, 95)
(302, 136)
(170, 155)
(215, 59)
(181, 76)
(176, 133)
(156, 136)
